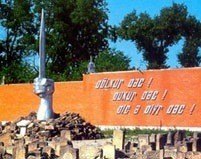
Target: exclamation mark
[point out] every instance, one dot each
(192, 109)
(150, 81)
(164, 94)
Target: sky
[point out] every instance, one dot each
(118, 9)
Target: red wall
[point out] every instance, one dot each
(178, 89)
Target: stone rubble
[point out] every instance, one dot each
(29, 138)
(46, 130)
(70, 137)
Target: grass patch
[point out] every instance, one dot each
(129, 133)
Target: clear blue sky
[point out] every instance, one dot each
(119, 8)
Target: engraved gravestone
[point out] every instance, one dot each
(108, 151)
(43, 87)
(143, 140)
(118, 139)
(169, 138)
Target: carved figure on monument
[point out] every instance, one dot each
(91, 66)
(43, 87)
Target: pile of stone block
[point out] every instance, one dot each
(30, 138)
(46, 130)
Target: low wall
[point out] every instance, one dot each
(155, 98)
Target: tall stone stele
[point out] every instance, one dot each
(91, 66)
(43, 87)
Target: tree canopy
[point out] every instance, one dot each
(17, 22)
(190, 57)
(75, 31)
(154, 35)
(112, 60)
(106, 61)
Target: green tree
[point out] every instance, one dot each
(16, 20)
(153, 36)
(75, 30)
(189, 57)
(112, 60)
(106, 61)
(18, 72)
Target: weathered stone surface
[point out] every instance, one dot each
(57, 149)
(4, 123)
(52, 144)
(152, 138)
(56, 143)
(42, 144)
(178, 136)
(170, 152)
(89, 152)
(180, 155)
(49, 127)
(193, 155)
(48, 151)
(170, 138)
(143, 140)
(182, 148)
(194, 141)
(68, 152)
(32, 146)
(66, 134)
(140, 156)
(67, 155)
(146, 148)
(11, 150)
(109, 151)
(118, 139)
(79, 143)
(23, 126)
(31, 157)
(158, 137)
(20, 153)
(6, 139)
(13, 127)
(155, 154)
(189, 155)
(20, 142)
(2, 150)
(36, 153)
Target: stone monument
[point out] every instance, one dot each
(91, 66)
(3, 80)
(43, 87)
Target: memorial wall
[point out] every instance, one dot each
(154, 98)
